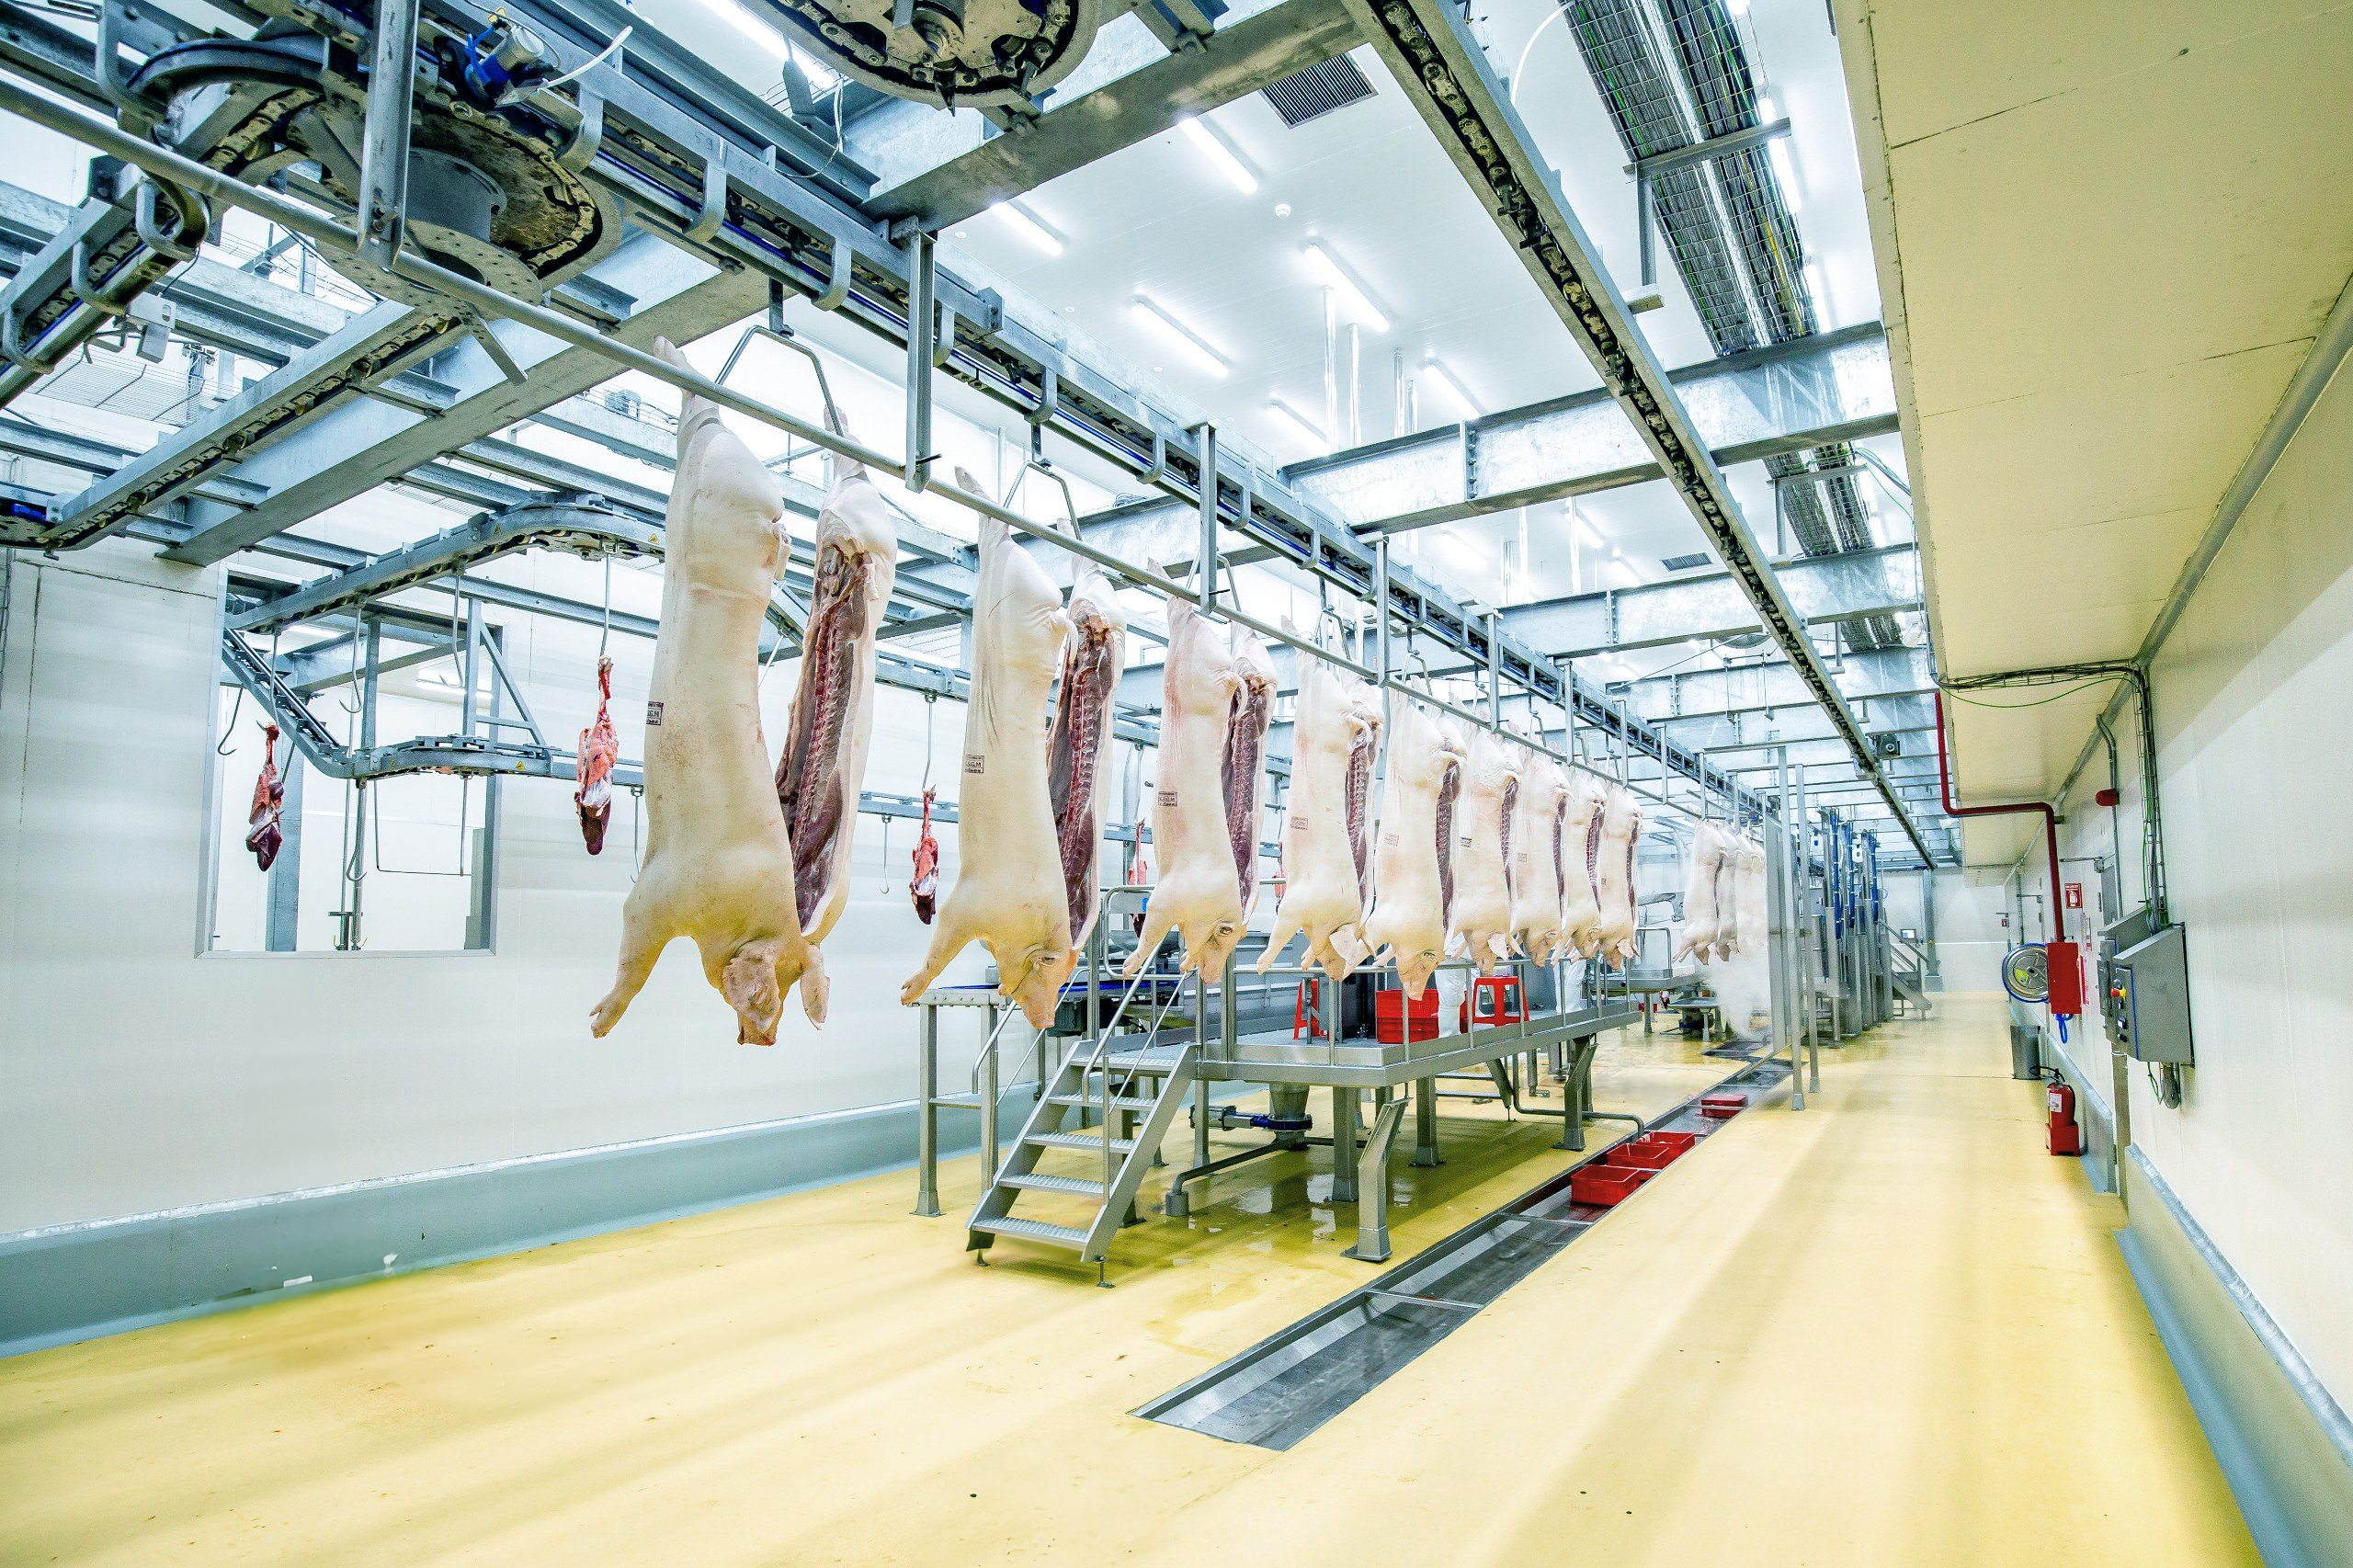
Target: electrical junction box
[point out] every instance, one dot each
(2065, 969)
(2149, 998)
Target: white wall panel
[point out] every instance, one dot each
(2254, 756)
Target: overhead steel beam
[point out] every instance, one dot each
(1744, 407)
(1777, 688)
(1822, 589)
(1908, 717)
(362, 443)
(1428, 48)
(1232, 63)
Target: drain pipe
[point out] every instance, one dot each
(2050, 823)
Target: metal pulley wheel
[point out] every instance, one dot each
(2026, 972)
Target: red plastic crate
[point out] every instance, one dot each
(1602, 1184)
(1393, 1015)
(1650, 1150)
(1722, 1107)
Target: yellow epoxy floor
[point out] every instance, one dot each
(1887, 1330)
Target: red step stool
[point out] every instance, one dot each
(1506, 1004)
(1311, 1000)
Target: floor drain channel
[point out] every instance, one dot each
(1290, 1383)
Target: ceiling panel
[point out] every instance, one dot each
(2107, 234)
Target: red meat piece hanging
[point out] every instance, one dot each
(926, 886)
(262, 836)
(598, 746)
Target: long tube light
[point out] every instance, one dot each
(1777, 149)
(1353, 298)
(1300, 422)
(759, 32)
(1445, 378)
(1214, 149)
(1021, 221)
(1180, 334)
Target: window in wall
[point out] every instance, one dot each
(404, 864)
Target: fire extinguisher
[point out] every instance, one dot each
(2064, 1136)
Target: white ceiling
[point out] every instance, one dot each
(2107, 240)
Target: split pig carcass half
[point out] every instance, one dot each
(1580, 838)
(1703, 923)
(1481, 917)
(832, 717)
(1325, 827)
(1076, 777)
(719, 862)
(1244, 770)
(1364, 760)
(1198, 894)
(1613, 878)
(1413, 863)
(1536, 870)
(1009, 895)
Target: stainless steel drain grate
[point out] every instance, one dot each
(1291, 1382)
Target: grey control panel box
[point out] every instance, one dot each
(2148, 1003)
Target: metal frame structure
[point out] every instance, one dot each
(697, 204)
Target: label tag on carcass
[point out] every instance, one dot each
(1299, 821)
(653, 714)
(975, 762)
(1390, 840)
(1168, 797)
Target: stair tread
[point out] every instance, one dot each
(1076, 1186)
(1118, 1102)
(1034, 1230)
(1089, 1141)
(955, 1099)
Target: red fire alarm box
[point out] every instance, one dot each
(2074, 895)
(2066, 973)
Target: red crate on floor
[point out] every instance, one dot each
(1602, 1185)
(1652, 1150)
(1393, 1015)
(1722, 1107)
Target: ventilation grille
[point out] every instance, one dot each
(1684, 563)
(1318, 90)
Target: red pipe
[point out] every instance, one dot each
(2050, 822)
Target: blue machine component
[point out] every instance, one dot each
(500, 58)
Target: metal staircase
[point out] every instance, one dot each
(1135, 1092)
(1908, 972)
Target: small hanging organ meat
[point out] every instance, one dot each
(926, 886)
(594, 767)
(262, 836)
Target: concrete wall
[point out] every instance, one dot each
(2254, 752)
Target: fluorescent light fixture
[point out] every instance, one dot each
(1765, 110)
(1215, 150)
(1181, 335)
(1025, 223)
(751, 26)
(1301, 422)
(1353, 299)
(1820, 290)
(1453, 387)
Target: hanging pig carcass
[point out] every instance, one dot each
(1198, 894)
(719, 862)
(1323, 825)
(1009, 895)
(1413, 863)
